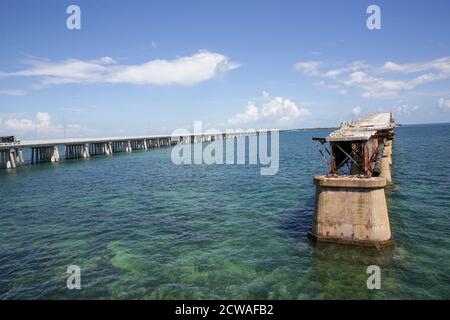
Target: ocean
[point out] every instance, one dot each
(140, 227)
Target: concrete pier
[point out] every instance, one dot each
(350, 206)
(44, 154)
(9, 158)
(386, 163)
(103, 148)
(351, 210)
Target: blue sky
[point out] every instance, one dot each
(141, 67)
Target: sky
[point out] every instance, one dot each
(150, 67)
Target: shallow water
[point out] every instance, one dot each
(140, 227)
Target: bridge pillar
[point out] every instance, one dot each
(108, 148)
(351, 210)
(20, 157)
(386, 162)
(11, 159)
(55, 155)
(2, 159)
(85, 153)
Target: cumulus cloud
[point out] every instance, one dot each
(444, 103)
(276, 111)
(250, 115)
(189, 70)
(381, 81)
(41, 125)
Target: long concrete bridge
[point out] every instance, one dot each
(48, 151)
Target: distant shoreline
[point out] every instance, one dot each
(398, 125)
(308, 129)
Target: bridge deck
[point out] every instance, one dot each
(75, 141)
(363, 129)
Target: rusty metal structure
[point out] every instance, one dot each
(357, 147)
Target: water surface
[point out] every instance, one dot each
(140, 227)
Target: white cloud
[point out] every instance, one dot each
(368, 79)
(375, 87)
(274, 111)
(324, 85)
(444, 104)
(265, 94)
(190, 70)
(309, 68)
(250, 115)
(352, 67)
(441, 65)
(356, 111)
(41, 125)
(380, 87)
(12, 92)
(403, 109)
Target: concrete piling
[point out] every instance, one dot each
(350, 205)
(351, 211)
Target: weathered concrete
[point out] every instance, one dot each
(386, 163)
(351, 210)
(44, 154)
(20, 157)
(350, 201)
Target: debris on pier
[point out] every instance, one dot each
(357, 147)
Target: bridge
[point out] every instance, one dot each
(50, 151)
(351, 205)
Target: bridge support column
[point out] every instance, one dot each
(2, 159)
(108, 148)
(20, 157)
(351, 210)
(85, 153)
(128, 147)
(10, 160)
(55, 155)
(386, 162)
(43, 154)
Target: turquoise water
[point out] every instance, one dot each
(140, 227)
